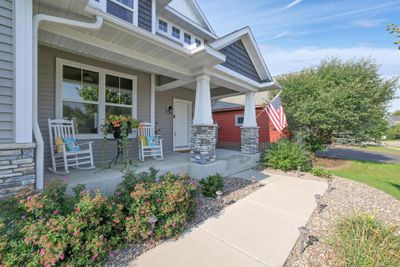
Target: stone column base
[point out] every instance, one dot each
(203, 142)
(250, 140)
(17, 168)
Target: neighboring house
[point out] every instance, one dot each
(393, 120)
(228, 114)
(162, 55)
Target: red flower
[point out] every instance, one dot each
(42, 252)
(56, 212)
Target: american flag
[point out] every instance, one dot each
(276, 114)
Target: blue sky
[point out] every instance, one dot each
(294, 34)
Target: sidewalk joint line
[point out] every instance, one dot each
(233, 246)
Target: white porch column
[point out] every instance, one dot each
(249, 135)
(250, 111)
(202, 111)
(203, 139)
(23, 71)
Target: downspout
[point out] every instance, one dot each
(37, 20)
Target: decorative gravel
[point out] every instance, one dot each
(347, 198)
(234, 190)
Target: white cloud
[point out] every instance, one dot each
(292, 4)
(282, 60)
(368, 23)
(280, 35)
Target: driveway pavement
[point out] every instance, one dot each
(341, 152)
(259, 230)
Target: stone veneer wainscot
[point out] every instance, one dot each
(250, 140)
(203, 143)
(17, 168)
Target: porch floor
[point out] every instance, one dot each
(228, 162)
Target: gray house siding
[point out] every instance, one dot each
(144, 19)
(6, 72)
(47, 93)
(163, 118)
(237, 59)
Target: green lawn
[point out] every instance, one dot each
(383, 176)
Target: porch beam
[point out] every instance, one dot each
(173, 85)
(203, 112)
(153, 99)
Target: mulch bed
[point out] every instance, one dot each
(234, 190)
(328, 163)
(347, 198)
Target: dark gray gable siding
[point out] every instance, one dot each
(6, 71)
(237, 59)
(144, 19)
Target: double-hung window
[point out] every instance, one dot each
(188, 38)
(87, 95)
(176, 32)
(80, 98)
(123, 9)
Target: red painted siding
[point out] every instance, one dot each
(229, 133)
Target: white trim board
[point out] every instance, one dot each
(60, 62)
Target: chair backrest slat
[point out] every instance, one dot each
(146, 129)
(60, 129)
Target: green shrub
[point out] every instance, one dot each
(361, 240)
(321, 172)
(171, 199)
(211, 184)
(394, 132)
(285, 155)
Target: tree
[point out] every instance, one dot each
(394, 29)
(337, 99)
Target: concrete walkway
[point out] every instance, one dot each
(259, 230)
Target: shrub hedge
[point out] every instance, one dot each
(211, 184)
(286, 156)
(51, 228)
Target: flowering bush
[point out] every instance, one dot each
(48, 234)
(51, 228)
(170, 199)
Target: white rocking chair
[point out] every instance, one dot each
(156, 150)
(60, 129)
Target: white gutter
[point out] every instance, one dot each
(37, 20)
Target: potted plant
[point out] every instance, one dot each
(119, 125)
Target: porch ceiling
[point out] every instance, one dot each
(136, 49)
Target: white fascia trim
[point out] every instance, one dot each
(183, 17)
(209, 51)
(252, 85)
(252, 48)
(23, 100)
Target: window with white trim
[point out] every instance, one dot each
(87, 95)
(239, 119)
(198, 42)
(80, 98)
(123, 9)
(162, 25)
(176, 32)
(187, 38)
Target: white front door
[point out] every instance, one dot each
(181, 125)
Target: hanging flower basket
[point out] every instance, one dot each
(116, 124)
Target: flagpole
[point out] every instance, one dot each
(259, 114)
